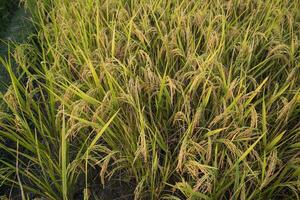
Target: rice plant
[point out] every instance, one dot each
(154, 99)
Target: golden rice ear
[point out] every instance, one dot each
(103, 171)
(271, 172)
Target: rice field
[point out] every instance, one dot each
(14, 32)
(153, 99)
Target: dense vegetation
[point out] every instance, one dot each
(13, 29)
(165, 99)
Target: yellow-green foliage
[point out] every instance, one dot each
(180, 99)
